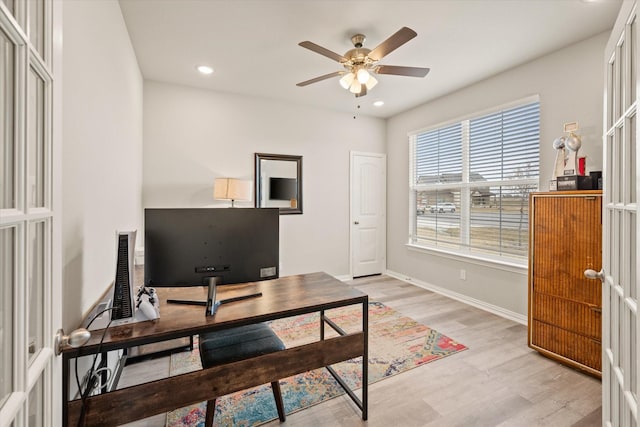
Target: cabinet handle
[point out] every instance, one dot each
(592, 274)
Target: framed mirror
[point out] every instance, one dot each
(279, 182)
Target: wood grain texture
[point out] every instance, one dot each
(565, 306)
(132, 403)
(286, 296)
(498, 381)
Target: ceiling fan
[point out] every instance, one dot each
(360, 63)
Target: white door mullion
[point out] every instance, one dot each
(20, 171)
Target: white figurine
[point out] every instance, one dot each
(561, 156)
(573, 143)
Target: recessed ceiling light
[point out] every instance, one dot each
(378, 103)
(204, 69)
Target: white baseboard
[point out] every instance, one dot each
(344, 278)
(502, 312)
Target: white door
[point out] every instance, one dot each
(28, 288)
(620, 225)
(368, 213)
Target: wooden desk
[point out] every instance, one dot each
(283, 297)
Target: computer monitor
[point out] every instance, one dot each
(186, 247)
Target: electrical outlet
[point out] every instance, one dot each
(463, 274)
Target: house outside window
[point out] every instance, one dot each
(470, 182)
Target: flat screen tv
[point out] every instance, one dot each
(185, 247)
(283, 188)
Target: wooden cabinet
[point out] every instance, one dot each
(565, 238)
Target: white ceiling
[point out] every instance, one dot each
(253, 44)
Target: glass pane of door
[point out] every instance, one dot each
(632, 159)
(10, 5)
(35, 140)
(36, 287)
(36, 25)
(7, 142)
(633, 60)
(622, 83)
(7, 280)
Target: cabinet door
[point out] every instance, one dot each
(567, 240)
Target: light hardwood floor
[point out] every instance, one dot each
(498, 381)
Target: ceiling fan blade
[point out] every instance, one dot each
(402, 71)
(363, 92)
(402, 36)
(323, 51)
(318, 79)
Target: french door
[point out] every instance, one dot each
(26, 214)
(620, 329)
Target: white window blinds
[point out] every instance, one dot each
(505, 145)
(470, 182)
(439, 155)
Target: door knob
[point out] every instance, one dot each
(592, 274)
(356, 222)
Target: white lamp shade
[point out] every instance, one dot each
(371, 82)
(355, 87)
(231, 189)
(346, 80)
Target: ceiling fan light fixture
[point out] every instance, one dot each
(360, 64)
(363, 75)
(355, 87)
(346, 80)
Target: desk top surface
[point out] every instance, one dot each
(282, 297)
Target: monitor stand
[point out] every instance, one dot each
(212, 305)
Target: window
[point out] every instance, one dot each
(470, 182)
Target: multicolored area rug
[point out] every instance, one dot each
(396, 344)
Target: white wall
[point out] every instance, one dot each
(192, 136)
(570, 85)
(102, 149)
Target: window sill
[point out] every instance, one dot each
(510, 266)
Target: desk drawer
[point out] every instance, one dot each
(583, 319)
(569, 345)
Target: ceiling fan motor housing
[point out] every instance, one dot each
(358, 40)
(357, 56)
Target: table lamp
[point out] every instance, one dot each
(231, 189)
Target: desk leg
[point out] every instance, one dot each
(363, 402)
(365, 360)
(321, 325)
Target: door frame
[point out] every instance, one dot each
(352, 156)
